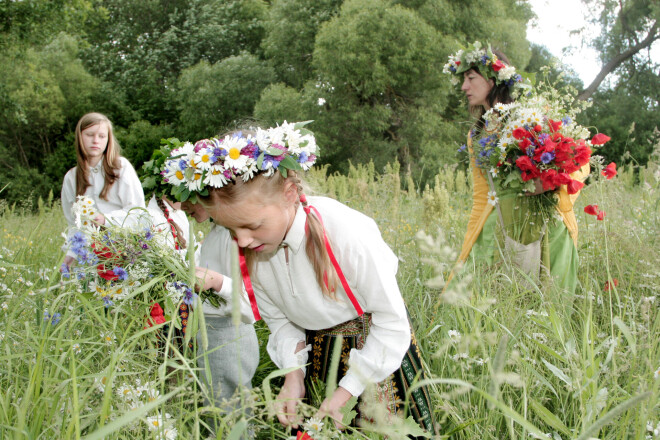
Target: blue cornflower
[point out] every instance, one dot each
(64, 269)
(566, 120)
(452, 68)
(303, 157)
(148, 235)
(183, 165)
(188, 297)
(462, 148)
(543, 137)
(107, 302)
(484, 59)
(530, 151)
(121, 273)
(145, 246)
(57, 317)
(547, 157)
(219, 152)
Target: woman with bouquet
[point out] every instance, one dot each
(528, 164)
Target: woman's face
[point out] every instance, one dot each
(477, 88)
(95, 141)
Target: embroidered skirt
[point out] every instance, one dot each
(392, 391)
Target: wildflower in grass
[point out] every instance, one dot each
(655, 431)
(540, 337)
(591, 209)
(189, 296)
(2, 337)
(454, 334)
(167, 434)
(43, 274)
(609, 171)
(303, 436)
(656, 374)
(126, 392)
(77, 332)
(76, 348)
(108, 337)
(313, 425)
(611, 285)
(101, 383)
(4, 306)
(157, 422)
(107, 302)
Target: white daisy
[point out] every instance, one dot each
(234, 159)
(203, 159)
(215, 176)
(492, 198)
(157, 422)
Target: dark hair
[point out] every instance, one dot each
(500, 93)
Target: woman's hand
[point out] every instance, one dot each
(331, 406)
(208, 279)
(292, 391)
(538, 188)
(99, 219)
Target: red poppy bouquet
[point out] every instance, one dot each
(533, 139)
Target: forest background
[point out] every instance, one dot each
(368, 72)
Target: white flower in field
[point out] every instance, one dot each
(321, 101)
(77, 332)
(2, 336)
(108, 337)
(126, 392)
(540, 337)
(101, 383)
(454, 334)
(492, 198)
(167, 434)
(43, 274)
(313, 425)
(29, 283)
(157, 422)
(4, 306)
(656, 374)
(76, 348)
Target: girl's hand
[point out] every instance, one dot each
(99, 219)
(538, 188)
(331, 406)
(208, 279)
(292, 391)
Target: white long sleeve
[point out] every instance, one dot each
(126, 193)
(290, 300)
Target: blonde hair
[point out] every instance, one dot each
(269, 188)
(111, 155)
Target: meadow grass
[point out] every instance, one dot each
(506, 357)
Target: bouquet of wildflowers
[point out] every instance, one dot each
(134, 269)
(534, 138)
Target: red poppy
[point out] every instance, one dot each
(106, 274)
(601, 215)
(574, 186)
(554, 125)
(599, 139)
(303, 436)
(591, 209)
(497, 65)
(610, 285)
(524, 144)
(520, 133)
(538, 128)
(610, 170)
(157, 316)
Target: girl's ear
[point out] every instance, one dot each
(290, 192)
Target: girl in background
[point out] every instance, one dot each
(102, 174)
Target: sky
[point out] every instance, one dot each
(556, 19)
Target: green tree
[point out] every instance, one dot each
(212, 96)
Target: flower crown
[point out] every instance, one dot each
(151, 175)
(192, 169)
(488, 64)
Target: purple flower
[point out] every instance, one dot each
(566, 120)
(188, 297)
(120, 273)
(484, 59)
(462, 148)
(148, 236)
(64, 269)
(219, 152)
(547, 157)
(107, 302)
(145, 246)
(183, 165)
(543, 137)
(56, 318)
(303, 157)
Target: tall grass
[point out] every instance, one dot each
(507, 358)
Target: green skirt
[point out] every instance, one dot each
(392, 391)
(558, 253)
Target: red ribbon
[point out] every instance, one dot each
(334, 261)
(171, 223)
(248, 283)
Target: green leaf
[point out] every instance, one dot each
(549, 418)
(290, 163)
(627, 333)
(347, 411)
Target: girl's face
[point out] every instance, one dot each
(196, 211)
(95, 141)
(476, 88)
(257, 222)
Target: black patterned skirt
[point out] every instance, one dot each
(391, 392)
